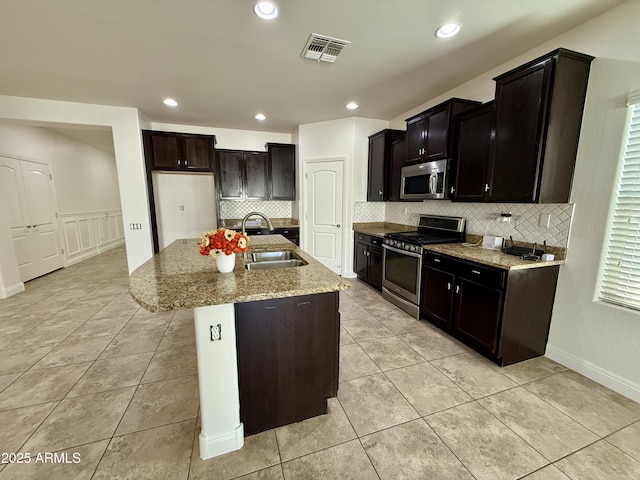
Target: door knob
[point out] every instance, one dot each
(338, 225)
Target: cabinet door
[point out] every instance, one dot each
(415, 139)
(229, 173)
(282, 171)
(474, 140)
(398, 160)
(286, 359)
(437, 134)
(437, 296)
(375, 267)
(375, 184)
(256, 187)
(361, 260)
(198, 152)
(166, 151)
(477, 314)
(520, 117)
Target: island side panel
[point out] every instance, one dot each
(222, 431)
(287, 359)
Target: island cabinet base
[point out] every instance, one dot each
(287, 350)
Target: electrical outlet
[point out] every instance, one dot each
(215, 332)
(545, 220)
(406, 210)
(223, 208)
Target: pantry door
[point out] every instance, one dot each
(28, 203)
(323, 181)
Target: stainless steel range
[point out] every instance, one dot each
(402, 265)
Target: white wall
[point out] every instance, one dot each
(125, 124)
(85, 178)
(348, 138)
(596, 339)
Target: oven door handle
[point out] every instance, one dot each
(404, 252)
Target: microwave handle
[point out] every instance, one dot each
(432, 184)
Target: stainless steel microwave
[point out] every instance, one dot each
(425, 181)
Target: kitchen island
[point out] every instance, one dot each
(266, 340)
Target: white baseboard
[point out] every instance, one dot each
(93, 252)
(604, 377)
(12, 290)
(220, 444)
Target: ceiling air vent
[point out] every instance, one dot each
(323, 48)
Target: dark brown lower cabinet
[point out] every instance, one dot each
(287, 359)
(503, 314)
(368, 259)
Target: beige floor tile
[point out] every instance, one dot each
(391, 352)
(76, 421)
(601, 389)
(100, 327)
(39, 386)
(549, 472)
(20, 323)
(74, 351)
(161, 453)
(6, 339)
(176, 337)
(585, 405)
(627, 440)
(546, 429)
(528, 371)
(412, 450)
(345, 338)
(271, 473)
(116, 309)
(373, 403)
(72, 315)
(488, 449)
(21, 359)
(600, 461)
(354, 363)
(6, 380)
(18, 425)
(345, 298)
(426, 388)
(259, 452)
(474, 374)
(316, 433)
(432, 343)
(182, 318)
(80, 463)
(352, 311)
(44, 335)
(112, 373)
(132, 343)
(365, 329)
(148, 321)
(161, 403)
(175, 362)
(401, 323)
(346, 461)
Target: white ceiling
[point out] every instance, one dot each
(223, 64)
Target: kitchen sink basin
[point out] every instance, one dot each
(273, 256)
(270, 260)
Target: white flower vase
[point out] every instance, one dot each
(225, 263)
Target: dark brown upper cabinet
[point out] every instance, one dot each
(537, 119)
(381, 162)
(282, 171)
(474, 146)
(178, 151)
(241, 175)
(398, 160)
(431, 134)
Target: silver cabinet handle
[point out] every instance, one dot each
(380, 192)
(457, 288)
(448, 285)
(486, 187)
(178, 162)
(475, 271)
(453, 189)
(437, 260)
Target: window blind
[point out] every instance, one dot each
(620, 278)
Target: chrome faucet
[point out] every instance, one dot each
(250, 214)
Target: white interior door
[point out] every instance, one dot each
(324, 212)
(28, 202)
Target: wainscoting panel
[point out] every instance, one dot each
(89, 233)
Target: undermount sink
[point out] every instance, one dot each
(269, 260)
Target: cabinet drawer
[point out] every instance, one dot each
(486, 276)
(368, 239)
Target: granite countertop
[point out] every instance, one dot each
(179, 277)
(252, 222)
(380, 229)
(494, 258)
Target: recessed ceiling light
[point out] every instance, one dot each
(260, 117)
(351, 105)
(448, 30)
(266, 10)
(170, 102)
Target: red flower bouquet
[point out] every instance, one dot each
(222, 240)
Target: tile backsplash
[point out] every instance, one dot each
(271, 209)
(481, 217)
